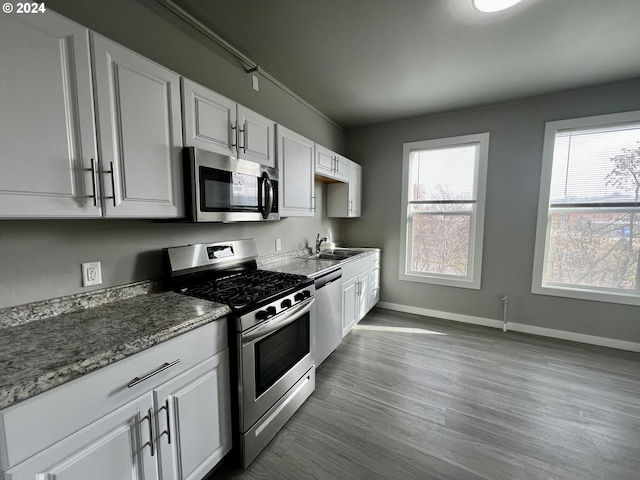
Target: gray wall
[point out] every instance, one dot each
(515, 156)
(40, 259)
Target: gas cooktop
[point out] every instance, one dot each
(242, 288)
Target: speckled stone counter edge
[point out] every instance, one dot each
(34, 386)
(18, 315)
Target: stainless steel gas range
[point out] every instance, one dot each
(272, 319)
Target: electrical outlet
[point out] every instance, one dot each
(278, 244)
(254, 83)
(91, 274)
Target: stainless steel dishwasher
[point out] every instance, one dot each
(328, 326)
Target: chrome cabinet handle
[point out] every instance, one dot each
(234, 135)
(351, 206)
(162, 367)
(116, 199)
(94, 184)
(243, 131)
(313, 206)
(150, 444)
(165, 407)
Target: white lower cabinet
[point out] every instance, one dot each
(114, 447)
(169, 427)
(360, 289)
(355, 301)
(193, 420)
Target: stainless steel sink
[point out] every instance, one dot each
(335, 254)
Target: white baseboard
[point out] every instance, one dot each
(515, 327)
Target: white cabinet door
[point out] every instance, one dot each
(342, 168)
(47, 140)
(331, 165)
(349, 305)
(194, 419)
(325, 161)
(139, 125)
(256, 137)
(344, 199)
(355, 190)
(295, 160)
(362, 295)
(118, 446)
(209, 119)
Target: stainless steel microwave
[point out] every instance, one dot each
(220, 188)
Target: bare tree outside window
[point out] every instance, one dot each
(598, 246)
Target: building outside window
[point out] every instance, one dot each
(444, 184)
(588, 232)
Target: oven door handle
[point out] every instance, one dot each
(271, 326)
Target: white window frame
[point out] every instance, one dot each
(472, 279)
(542, 232)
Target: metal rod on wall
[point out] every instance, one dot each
(248, 64)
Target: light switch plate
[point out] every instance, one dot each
(278, 244)
(254, 83)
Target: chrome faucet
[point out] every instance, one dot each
(319, 242)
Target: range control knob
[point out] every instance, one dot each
(298, 297)
(271, 311)
(286, 303)
(262, 315)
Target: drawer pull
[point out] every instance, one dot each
(162, 367)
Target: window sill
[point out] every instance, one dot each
(442, 281)
(585, 294)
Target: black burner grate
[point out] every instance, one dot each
(241, 288)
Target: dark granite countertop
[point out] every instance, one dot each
(38, 355)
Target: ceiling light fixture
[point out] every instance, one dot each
(490, 6)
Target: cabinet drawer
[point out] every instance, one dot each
(34, 424)
(354, 268)
(375, 260)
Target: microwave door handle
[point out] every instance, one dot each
(269, 327)
(268, 201)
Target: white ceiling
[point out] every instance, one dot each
(369, 61)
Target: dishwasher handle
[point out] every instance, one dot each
(328, 278)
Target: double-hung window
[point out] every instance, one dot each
(444, 183)
(588, 232)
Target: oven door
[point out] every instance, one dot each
(226, 189)
(274, 355)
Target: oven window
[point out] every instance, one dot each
(227, 191)
(280, 351)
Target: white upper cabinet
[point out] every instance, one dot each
(256, 137)
(331, 165)
(47, 140)
(139, 126)
(295, 159)
(344, 199)
(209, 119)
(56, 111)
(218, 124)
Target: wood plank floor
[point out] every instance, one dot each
(409, 397)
